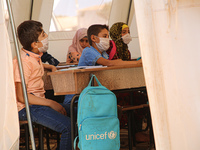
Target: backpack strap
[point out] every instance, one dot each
(90, 83)
(75, 142)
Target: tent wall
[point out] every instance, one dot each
(42, 11)
(134, 46)
(9, 123)
(170, 46)
(119, 11)
(21, 11)
(59, 43)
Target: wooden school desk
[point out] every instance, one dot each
(113, 78)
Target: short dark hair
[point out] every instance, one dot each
(95, 30)
(28, 32)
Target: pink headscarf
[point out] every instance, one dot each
(76, 47)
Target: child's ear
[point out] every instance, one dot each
(34, 45)
(93, 38)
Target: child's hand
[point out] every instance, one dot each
(139, 61)
(50, 67)
(118, 60)
(53, 68)
(57, 107)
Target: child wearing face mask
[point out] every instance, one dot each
(46, 57)
(43, 111)
(98, 37)
(120, 35)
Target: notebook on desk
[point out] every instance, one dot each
(82, 67)
(65, 66)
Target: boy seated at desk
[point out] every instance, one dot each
(43, 111)
(98, 37)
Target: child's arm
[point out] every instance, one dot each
(49, 67)
(116, 62)
(34, 100)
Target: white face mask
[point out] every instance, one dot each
(103, 44)
(127, 38)
(45, 46)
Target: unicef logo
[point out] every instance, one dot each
(112, 135)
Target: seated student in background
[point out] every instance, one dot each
(79, 42)
(120, 35)
(43, 111)
(96, 53)
(46, 57)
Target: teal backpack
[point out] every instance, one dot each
(98, 124)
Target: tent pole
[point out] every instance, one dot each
(31, 10)
(21, 73)
(129, 10)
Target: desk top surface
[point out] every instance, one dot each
(94, 69)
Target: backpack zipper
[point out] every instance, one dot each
(95, 118)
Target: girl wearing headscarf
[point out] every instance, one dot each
(79, 42)
(120, 34)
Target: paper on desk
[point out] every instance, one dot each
(81, 67)
(65, 66)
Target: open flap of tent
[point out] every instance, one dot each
(9, 123)
(170, 46)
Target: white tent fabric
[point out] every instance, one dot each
(9, 124)
(42, 11)
(170, 45)
(119, 11)
(134, 46)
(21, 11)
